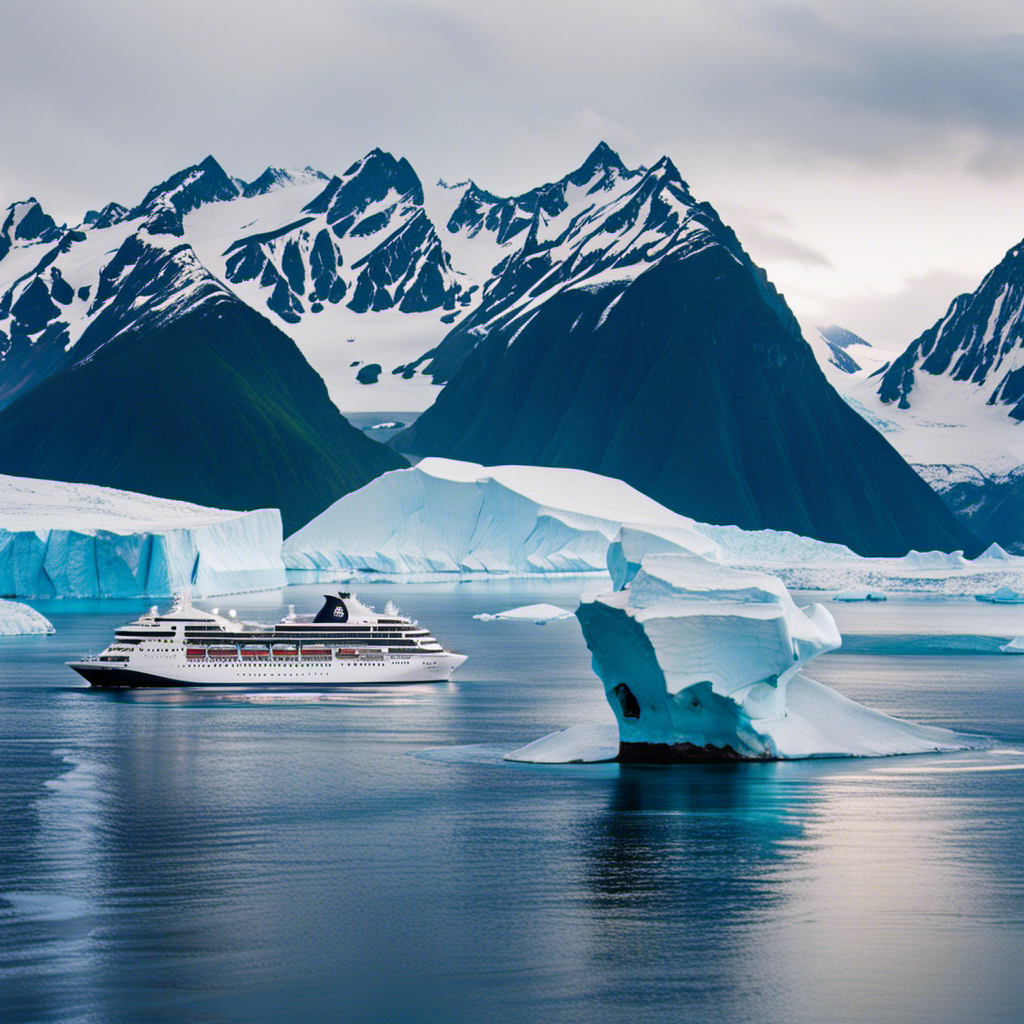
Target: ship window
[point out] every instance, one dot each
(627, 701)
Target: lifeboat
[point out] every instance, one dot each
(195, 652)
(254, 651)
(315, 651)
(223, 652)
(345, 652)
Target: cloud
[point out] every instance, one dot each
(894, 320)
(764, 244)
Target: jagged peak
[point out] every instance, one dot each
(668, 171)
(281, 177)
(112, 213)
(376, 157)
(210, 166)
(602, 158)
(31, 201)
(27, 220)
(380, 171)
(190, 187)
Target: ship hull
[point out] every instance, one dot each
(258, 676)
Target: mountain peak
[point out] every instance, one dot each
(210, 165)
(666, 169)
(370, 179)
(189, 188)
(281, 177)
(604, 161)
(603, 155)
(26, 220)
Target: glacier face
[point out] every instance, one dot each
(702, 661)
(449, 516)
(79, 540)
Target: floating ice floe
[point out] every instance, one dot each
(538, 613)
(1015, 646)
(78, 540)
(916, 560)
(861, 595)
(702, 661)
(18, 619)
(1001, 595)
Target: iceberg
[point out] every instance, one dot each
(448, 516)
(538, 613)
(631, 544)
(936, 560)
(79, 540)
(445, 516)
(1001, 595)
(994, 553)
(703, 662)
(18, 619)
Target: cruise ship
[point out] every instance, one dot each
(344, 644)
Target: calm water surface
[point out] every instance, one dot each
(366, 855)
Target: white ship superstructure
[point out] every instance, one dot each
(344, 644)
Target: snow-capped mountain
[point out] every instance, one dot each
(606, 320)
(156, 377)
(978, 342)
(366, 270)
(635, 338)
(952, 403)
(847, 351)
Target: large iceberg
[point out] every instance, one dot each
(702, 661)
(448, 516)
(445, 516)
(78, 540)
(18, 619)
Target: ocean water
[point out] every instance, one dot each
(366, 855)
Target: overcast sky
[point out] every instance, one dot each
(869, 155)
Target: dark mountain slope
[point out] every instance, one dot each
(216, 406)
(694, 389)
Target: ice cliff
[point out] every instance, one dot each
(79, 540)
(702, 661)
(449, 516)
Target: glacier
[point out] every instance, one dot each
(703, 662)
(18, 619)
(447, 516)
(443, 515)
(79, 540)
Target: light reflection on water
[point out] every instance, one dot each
(367, 855)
